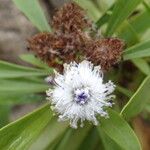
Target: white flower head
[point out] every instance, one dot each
(80, 94)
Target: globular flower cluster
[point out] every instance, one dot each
(80, 93)
(71, 18)
(105, 52)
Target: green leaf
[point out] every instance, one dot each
(22, 86)
(138, 101)
(90, 8)
(73, 138)
(121, 11)
(54, 144)
(128, 34)
(147, 108)
(119, 131)
(33, 11)
(4, 114)
(20, 134)
(105, 17)
(8, 65)
(141, 22)
(29, 58)
(52, 132)
(124, 91)
(133, 29)
(91, 140)
(17, 98)
(142, 65)
(137, 51)
(146, 3)
(108, 143)
(9, 70)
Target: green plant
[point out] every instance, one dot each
(40, 130)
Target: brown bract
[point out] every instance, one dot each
(43, 46)
(105, 52)
(70, 18)
(56, 49)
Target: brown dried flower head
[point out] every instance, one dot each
(42, 44)
(71, 18)
(70, 42)
(55, 49)
(105, 52)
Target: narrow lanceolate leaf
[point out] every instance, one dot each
(31, 59)
(119, 131)
(133, 30)
(52, 132)
(4, 114)
(138, 101)
(103, 19)
(137, 51)
(16, 98)
(129, 35)
(90, 8)
(91, 141)
(107, 142)
(73, 139)
(22, 86)
(142, 65)
(33, 11)
(124, 91)
(20, 134)
(121, 11)
(146, 3)
(9, 70)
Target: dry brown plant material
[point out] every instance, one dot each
(105, 52)
(72, 42)
(71, 18)
(56, 49)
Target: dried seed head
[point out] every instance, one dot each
(57, 49)
(71, 42)
(43, 45)
(104, 52)
(70, 18)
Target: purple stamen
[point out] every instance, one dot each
(81, 98)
